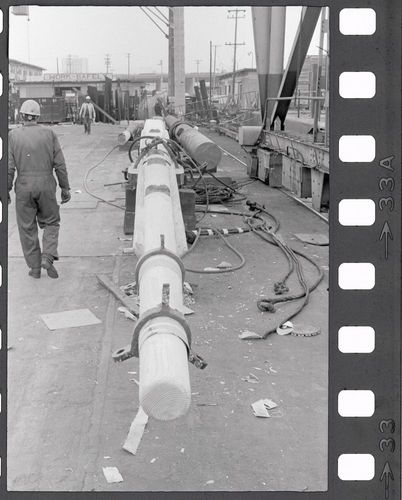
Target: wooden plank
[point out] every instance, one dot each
(136, 431)
(317, 185)
(106, 114)
(120, 296)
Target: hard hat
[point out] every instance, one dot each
(87, 97)
(30, 107)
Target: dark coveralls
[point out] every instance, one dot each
(34, 151)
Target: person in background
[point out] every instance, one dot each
(87, 114)
(34, 152)
(158, 107)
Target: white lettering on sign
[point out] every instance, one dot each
(74, 77)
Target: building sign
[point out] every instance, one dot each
(74, 77)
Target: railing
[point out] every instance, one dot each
(220, 108)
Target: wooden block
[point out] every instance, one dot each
(296, 178)
(130, 199)
(263, 172)
(187, 202)
(270, 167)
(286, 173)
(319, 189)
(127, 302)
(129, 213)
(275, 170)
(128, 226)
(252, 167)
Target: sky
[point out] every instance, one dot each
(92, 32)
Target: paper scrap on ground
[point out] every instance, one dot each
(187, 311)
(112, 474)
(249, 335)
(262, 406)
(251, 378)
(224, 265)
(70, 319)
(285, 328)
(127, 313)
(260, 409)
(269, 403)
(136, 431)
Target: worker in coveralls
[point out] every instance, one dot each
(87, 114)
(34, 151)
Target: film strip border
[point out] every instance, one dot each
(364, 393)
(3, 242)
(365, 149)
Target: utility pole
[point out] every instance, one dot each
(176, 73)
(161, 65)
(210, 74)
(128, 65)
(215, 46)
(234, 14)
(197, 62)
(69, 63)
(107, 62)
(28, 40)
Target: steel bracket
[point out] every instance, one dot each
(162, 311)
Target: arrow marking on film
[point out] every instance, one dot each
(386, 474)
(386, 233)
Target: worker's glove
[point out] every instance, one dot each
(65, 195)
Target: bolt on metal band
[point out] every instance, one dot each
(159, 251)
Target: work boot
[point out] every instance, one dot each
(47, 263)
(34, 272)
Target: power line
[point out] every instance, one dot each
(158, 15)
(162, 14)
(153, 21)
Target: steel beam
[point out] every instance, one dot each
(276, 53)
(296, 60)
(261, 28)
(308, 154)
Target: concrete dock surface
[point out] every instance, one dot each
(70, 406)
